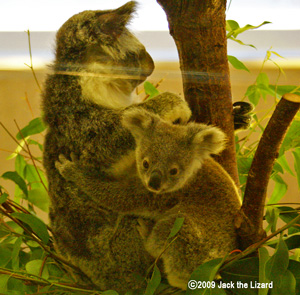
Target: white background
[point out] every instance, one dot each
(49, 15)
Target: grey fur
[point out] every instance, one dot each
(98, 64)
(201, 192)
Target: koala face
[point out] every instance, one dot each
(164, 162)
(167, 156)
(98, 41)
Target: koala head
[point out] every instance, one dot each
(98, 41)
(167, 155)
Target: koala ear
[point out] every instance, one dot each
(138, 121)
(209, 140)
(114, 22)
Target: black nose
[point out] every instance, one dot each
(155, 180)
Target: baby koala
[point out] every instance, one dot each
(169, 162)
(167, 156)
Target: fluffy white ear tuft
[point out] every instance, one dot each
(138, 121)
(210, 140)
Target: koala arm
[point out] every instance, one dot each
(109, 193)
(168, 106)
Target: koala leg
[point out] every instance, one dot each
(180, 255)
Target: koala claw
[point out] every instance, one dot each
(64, 166)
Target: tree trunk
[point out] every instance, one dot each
(198, 28)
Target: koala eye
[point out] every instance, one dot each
(146, 164)
(174, 171)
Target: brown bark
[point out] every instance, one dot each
(198, 28)
(250, 221)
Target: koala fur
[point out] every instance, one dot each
(200, 191)
(98, 63)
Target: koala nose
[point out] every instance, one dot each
(155, 180)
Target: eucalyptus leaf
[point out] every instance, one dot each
(286, 284)
(35, 126)
(15, 254)
(34, 267)
(176, 227)
(33, 174)
(263, 258)
(279, 191)
(150, 89)
(296, 154)
(3, 198)
(109, 292)
(3, 283)
(291, 241)
(283, 89)
(277, 265)
(284, 164)
(154, 281)
(206, 272)
(291, 139)
(237, 63)
(5, 255)
(39, 198)
(38, 226)
(20, 164)
(17, 179)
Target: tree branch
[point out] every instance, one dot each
(198, 29)
(249, 223)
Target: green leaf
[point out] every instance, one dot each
(294, 267)
(277, 265)
(284, 164)
(154, 282)
(150, 89)
(17, 179)
(237, 63)
(245, 271)
(239, 41)
(291, 241)
(286, 284)
(30, 141)
(247, 27)
(263, 258)
(272, 215)
(263, 79)
(32, 176)
(35, 126)
(283, 89)
(5, 256)
(34, 267)
(15, 253)
(296, 155)
(279, 191)
(3, 198)
(292, 138)
(38, 226)
(287, 215)
(3, 283)
(253, 94)
(176, 227)
(109, 292)
(39, 198)
(206, 272)
(20, 164)
(231, 25)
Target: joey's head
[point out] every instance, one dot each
(98, 42)
(167, 155)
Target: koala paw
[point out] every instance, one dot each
(67, 168)
(179, 113)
